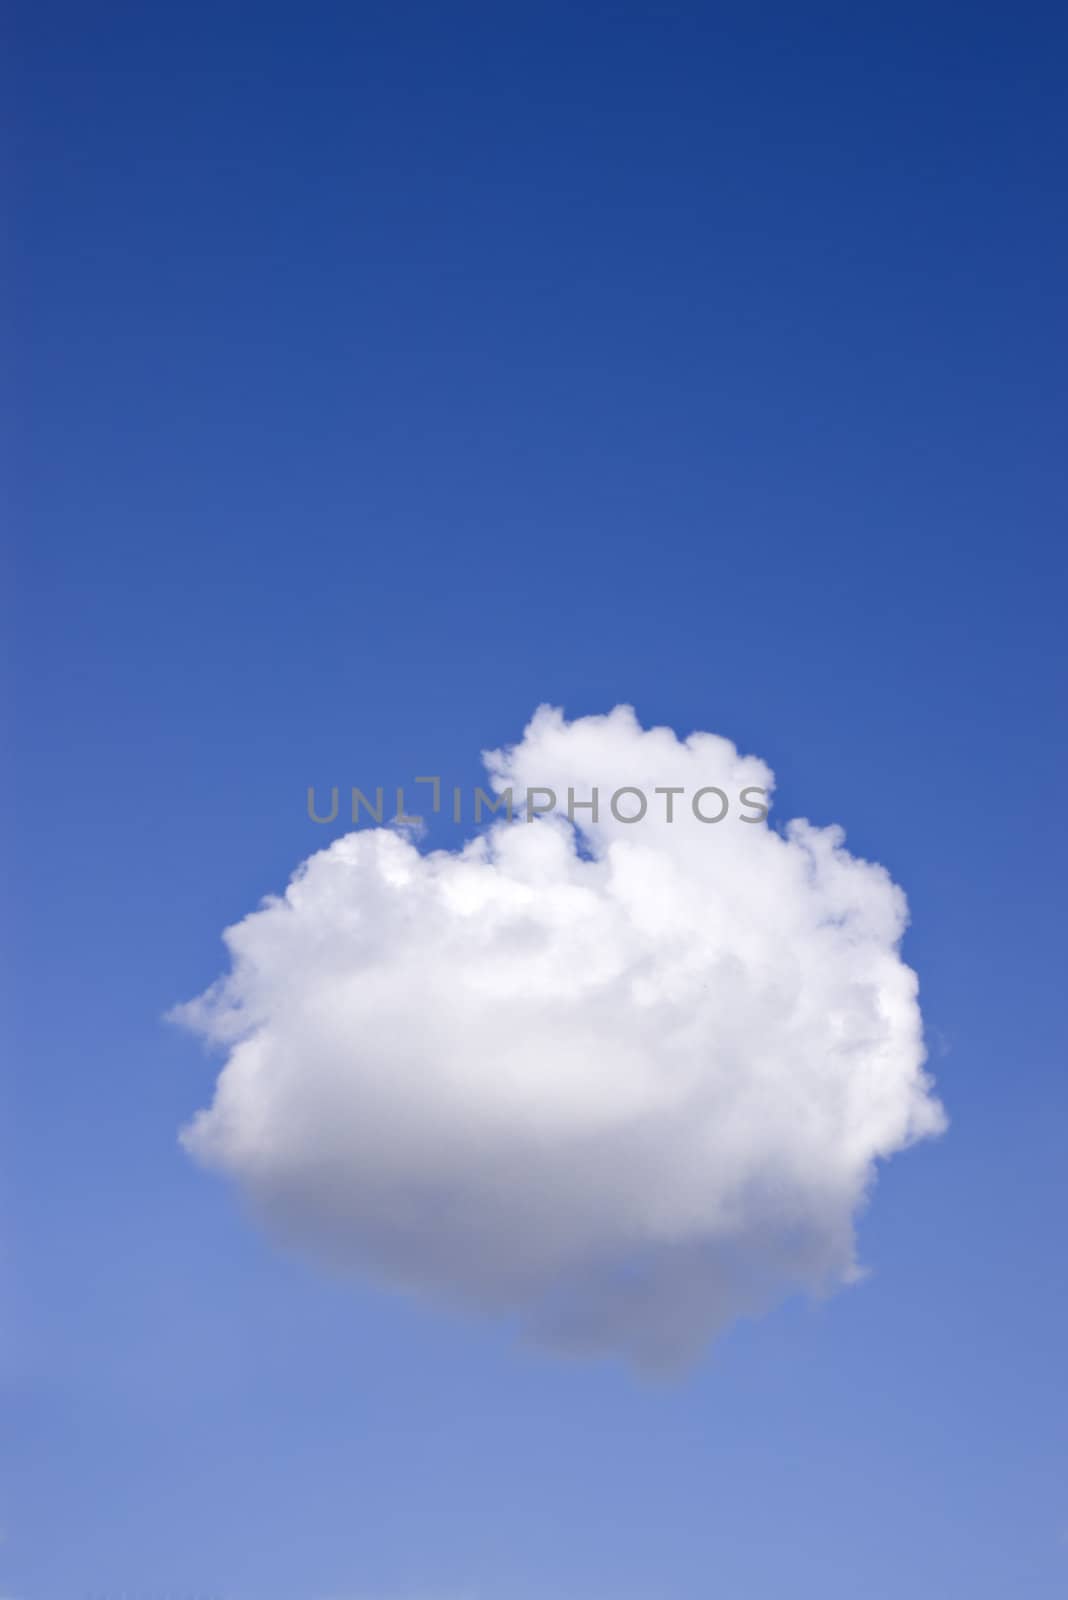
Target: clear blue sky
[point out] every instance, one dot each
(381, 372)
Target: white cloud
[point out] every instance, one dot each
(625, 1092)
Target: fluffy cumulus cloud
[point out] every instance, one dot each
(622, 1081)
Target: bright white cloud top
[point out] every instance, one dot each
(625, 1085)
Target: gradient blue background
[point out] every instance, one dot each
(382, 371)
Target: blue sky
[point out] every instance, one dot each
(384, 372)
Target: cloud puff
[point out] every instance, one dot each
(624, 1082)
